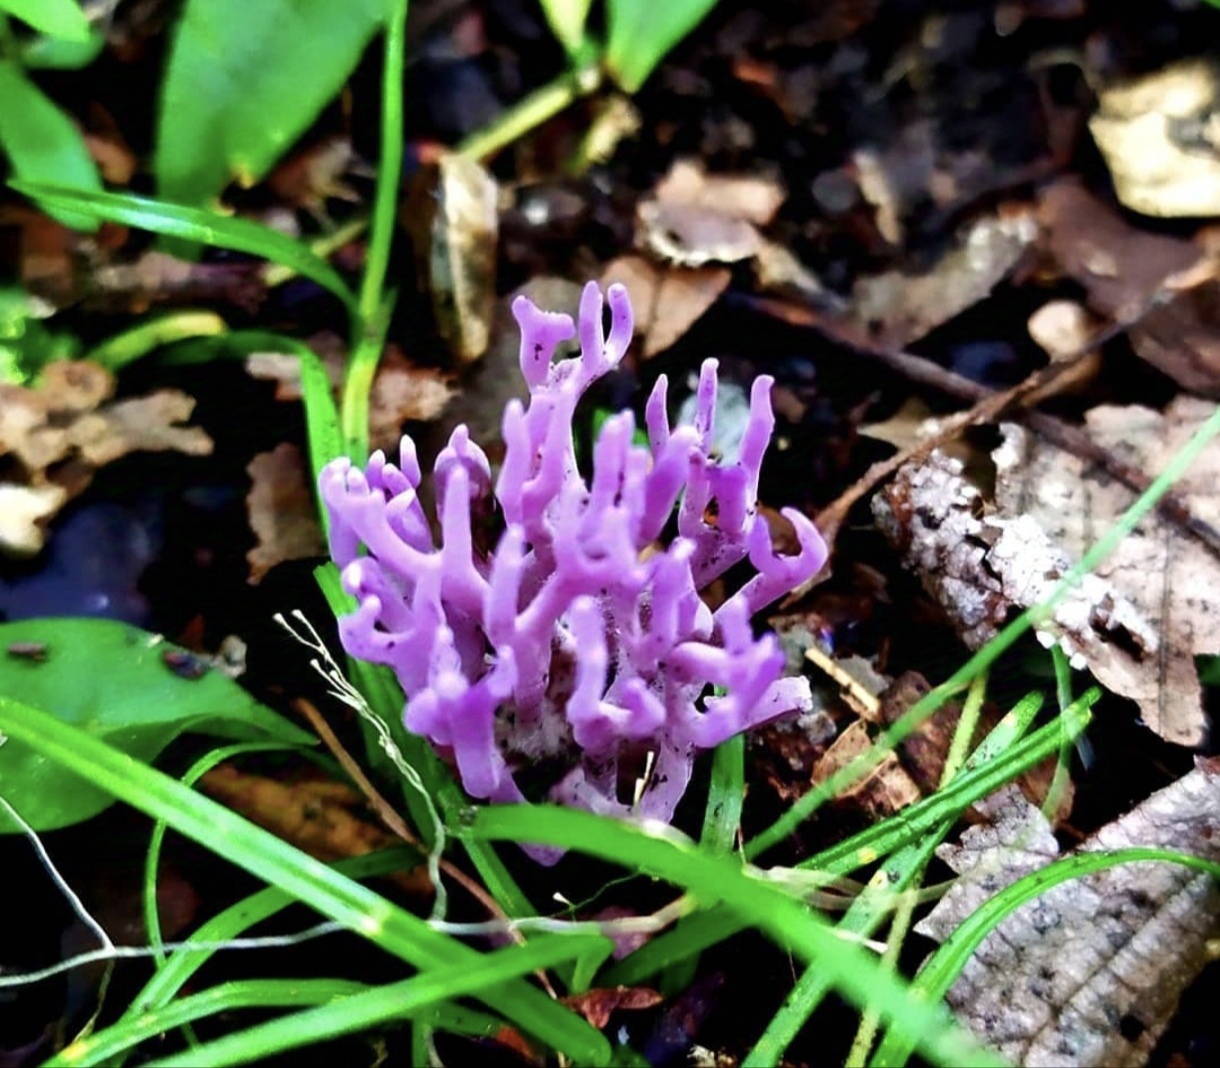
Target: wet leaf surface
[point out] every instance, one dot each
(114, 681)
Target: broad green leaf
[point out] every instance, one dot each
(58, 53)
(131, 688)
(567, 21)
(194, 224)
(642, 32)
(43, 143)
(57, 18)
(245, 80)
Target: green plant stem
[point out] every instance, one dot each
(326, 245)
(991, 652)
(358, 382)
(532, 111)
(1061, 780)
(375, 306)
(866, 1035)
(389, 167)
(123, 348)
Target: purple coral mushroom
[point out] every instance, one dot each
(578, 637)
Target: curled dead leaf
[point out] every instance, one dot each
(454, 225)
(1168, 284)
(887, 789)
(694, 218)
(599, 1004)
(23, 510)
(403, 393)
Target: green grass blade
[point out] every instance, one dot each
(62, 19)
(239, 918)
(875, 842)
(900, 872)
(704, 929)
(721, 823)
(943, 967)
(389, 167)
(152, 858)
(101, 1048)
(193, 224)
(43, 143)
(986, 656)
(117, 351)
(375, 305)
(280, 864)
(726, 796)
(389, 1003)
(662, 852)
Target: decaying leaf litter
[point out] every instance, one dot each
(896, 213)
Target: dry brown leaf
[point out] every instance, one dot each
(140, 424)
(67, 423)
(905, 427)
(154, 278)
(314, 174)
(751, 197)
(1062, 328)
(281, 510)
(780, 273)
(898, 308)
(23, 510)
(318, 816)
(694, 218)
(403, 393)
(694, 237)
(599, 1004)
(1091, 971)
(667, 300)
(1141, 127)
(887, 789)
(1122, 268)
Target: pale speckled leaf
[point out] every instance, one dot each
(1090, 972)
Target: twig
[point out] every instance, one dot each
(989, 405)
